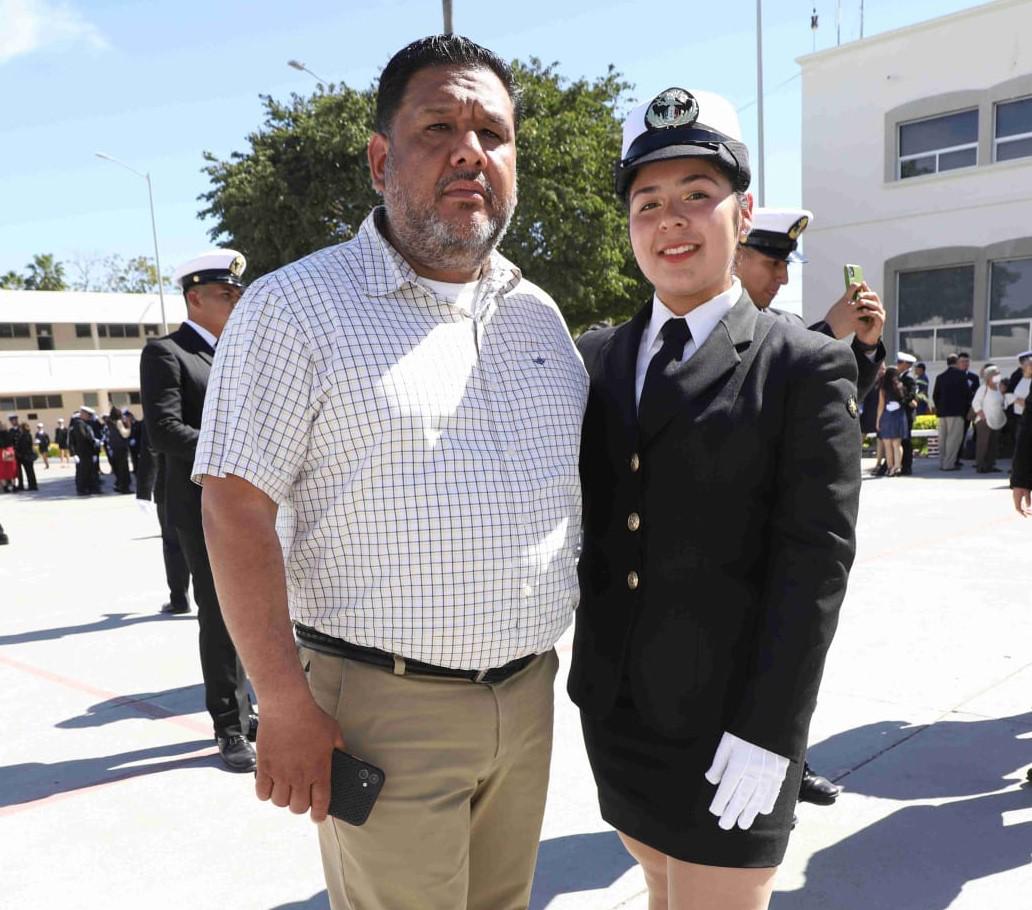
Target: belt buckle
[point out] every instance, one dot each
(481, 675)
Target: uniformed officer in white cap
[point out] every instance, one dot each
(695, 718)
(173, 380)
(762, 265)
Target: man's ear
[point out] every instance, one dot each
(747, 215)
(192, 298)
(376, 152)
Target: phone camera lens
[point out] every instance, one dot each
(363, 774)
(374, 778)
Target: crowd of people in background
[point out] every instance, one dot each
(118, 434)
(977, 414)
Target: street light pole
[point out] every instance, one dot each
(154, 231)
(298, 65)
(447, 10)
(759, 99)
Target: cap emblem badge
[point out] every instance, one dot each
(672, 108)
(236, 267)
(798, 228)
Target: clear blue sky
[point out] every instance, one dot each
(155, 84)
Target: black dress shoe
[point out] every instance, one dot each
(816, 789)
(252, 727)
(174, 609)
(237, 753)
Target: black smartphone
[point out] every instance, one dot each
(354, 787)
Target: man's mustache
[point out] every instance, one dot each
(477, 177)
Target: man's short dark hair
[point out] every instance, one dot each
(920, 364)
(951, 360)
(437, 50)
(963, 354)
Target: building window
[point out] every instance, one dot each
(39, 401)
(938, 144)
(118, 330)
(23, 402)
(6, 405)
(134, 398)
(14, 330)
(131, 331)
(82, 330)
(150, 329)
(90, 399)
(1010, 307)
(55, 401)
(1013, 138)
(45, 342)
(936, 311)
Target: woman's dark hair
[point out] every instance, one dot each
(437, 50)
(891, 385)
(115, 413)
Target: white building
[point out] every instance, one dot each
(917, 164)
(63, 349)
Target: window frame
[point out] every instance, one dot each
(997, 140)
(936, 153)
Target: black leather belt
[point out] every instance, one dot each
(318, 641)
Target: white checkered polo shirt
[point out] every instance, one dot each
(424, 460)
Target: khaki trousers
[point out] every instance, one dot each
(951, 435)
(457, 824)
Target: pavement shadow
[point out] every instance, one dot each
(30, 781)
(110, 622)
(156, 705)
(320, 901)
(947, 759)
(920, 857)
(577, 862)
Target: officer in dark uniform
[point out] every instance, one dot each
(762, 265)
(173, 380)
(720, 464)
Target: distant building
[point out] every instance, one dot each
(60, 350)
(917, 163)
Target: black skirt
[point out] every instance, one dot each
(653, 789)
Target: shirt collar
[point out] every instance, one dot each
(386, 271)
(206, 336)
(701, 321)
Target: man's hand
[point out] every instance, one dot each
(858, 311)
(1023, 501)
(295, 748)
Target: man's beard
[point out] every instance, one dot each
(422, 235)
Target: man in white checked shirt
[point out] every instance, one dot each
(405, 410)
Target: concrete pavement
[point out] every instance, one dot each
(111, 793)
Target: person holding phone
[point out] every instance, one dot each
(721, 472)
(763, 259)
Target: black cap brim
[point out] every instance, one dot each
(723, 154)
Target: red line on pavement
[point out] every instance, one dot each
(141, 706)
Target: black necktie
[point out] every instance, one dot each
(675, 334)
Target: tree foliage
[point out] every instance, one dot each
(304, 184)
(44, 273)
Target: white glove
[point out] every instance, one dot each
(750, 780)
(75, 458)
(147, 506)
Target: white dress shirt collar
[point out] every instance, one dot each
(206, 336)
(702, 320)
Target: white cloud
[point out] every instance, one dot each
(28, 25)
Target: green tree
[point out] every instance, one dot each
(12, 281)
(304, 184)
(45, 274)
(138, 275)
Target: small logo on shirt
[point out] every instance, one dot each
(540, 361)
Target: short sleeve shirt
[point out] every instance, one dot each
(424, 458)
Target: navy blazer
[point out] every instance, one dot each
(173, 380)
(736, 517)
